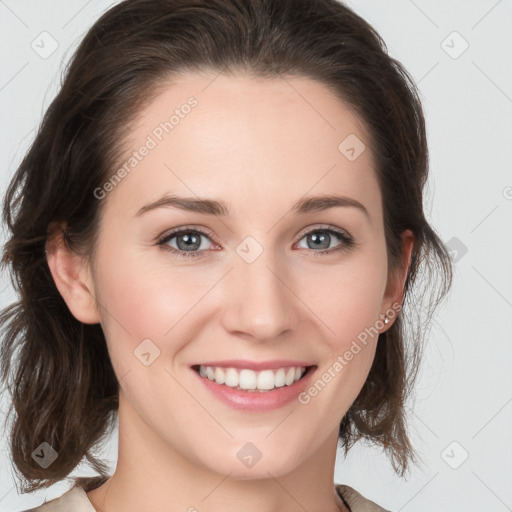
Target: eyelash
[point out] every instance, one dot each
(347, 241)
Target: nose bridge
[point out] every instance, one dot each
(260, 303)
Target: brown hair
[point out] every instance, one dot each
(64, 390)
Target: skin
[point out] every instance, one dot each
(259, 145)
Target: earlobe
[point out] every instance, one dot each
(72, 277)
(396, 286)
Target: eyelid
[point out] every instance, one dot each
(347, 241)
(185, 229)
(321, 227)
(304, 231)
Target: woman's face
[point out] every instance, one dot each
(265, 286)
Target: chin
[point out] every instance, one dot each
(249, 463)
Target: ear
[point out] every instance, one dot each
(395, 288)
(72, 275)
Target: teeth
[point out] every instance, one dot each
(231, 379)
(279, 378)
(247, 379)
(290, 376)
(219, 376)
(264, 379)
(250, 380)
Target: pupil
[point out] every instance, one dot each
(320, 238)
(191, 242)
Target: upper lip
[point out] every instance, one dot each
(256, 365)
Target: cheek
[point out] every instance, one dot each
(347, 298)
(348, 312)
(153, 298)
(142, 299)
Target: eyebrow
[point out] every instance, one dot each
(220, 208)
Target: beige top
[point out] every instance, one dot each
(75, 500)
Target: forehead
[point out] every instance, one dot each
(250, 141)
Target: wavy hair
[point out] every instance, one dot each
(57, 369)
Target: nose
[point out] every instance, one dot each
(259, 300)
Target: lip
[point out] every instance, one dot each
(255, 365)
(254, 400)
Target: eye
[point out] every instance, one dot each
(188, 242)
(322, 238)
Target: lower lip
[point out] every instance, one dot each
(254, 400)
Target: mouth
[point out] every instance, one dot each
(246, 379)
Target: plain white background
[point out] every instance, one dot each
(459, 52)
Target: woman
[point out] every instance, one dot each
(212, 237)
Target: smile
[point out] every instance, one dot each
(251, 380)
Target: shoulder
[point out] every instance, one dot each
(356, 501)
(74, 500)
